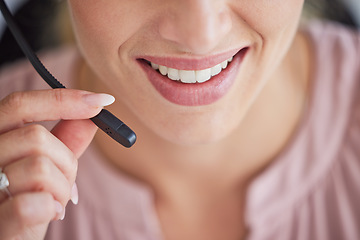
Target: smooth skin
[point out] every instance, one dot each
(197, 160)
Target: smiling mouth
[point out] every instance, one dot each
(193, 82)
(190, 76)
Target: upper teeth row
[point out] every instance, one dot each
(191, 76)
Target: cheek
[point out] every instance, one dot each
(269, 17)
(273, 24)
(102, 27)
(89, 22)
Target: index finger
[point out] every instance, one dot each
(46, 105)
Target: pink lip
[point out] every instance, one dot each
(191, 63)
(199, 93)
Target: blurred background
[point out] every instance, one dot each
(45, 22)
(40, 21)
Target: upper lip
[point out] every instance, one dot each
(191, 63)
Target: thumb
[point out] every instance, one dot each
(75, 134)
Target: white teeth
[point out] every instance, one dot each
(173, 74)
(191, 76)
(216, 70)
(203, 75)
(155, 66)
(224, 64)
(187, 76)
(163, 70)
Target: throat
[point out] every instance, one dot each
(196, 214)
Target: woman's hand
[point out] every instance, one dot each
(41, 166)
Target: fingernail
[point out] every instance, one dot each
(58, 207)
(74, 194)
(63, 215)
(60, 210)
(99, 99)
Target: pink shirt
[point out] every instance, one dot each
(311, 191)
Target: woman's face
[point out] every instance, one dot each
(197, 95)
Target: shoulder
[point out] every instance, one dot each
(337, 91)
(330, 34)
(336, 73)
(335, 79)
(314, 183)
(21, 76)
(336, 48)
(337, 121)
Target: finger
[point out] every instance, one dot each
(19, 214)
(75, 134)
(36, 140)
(37, 174)
(43, 105)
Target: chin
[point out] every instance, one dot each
(196, 134)
(193, 141)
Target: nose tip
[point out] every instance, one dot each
(198, 28)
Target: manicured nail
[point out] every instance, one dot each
(58, 207)
(99, 99)
(74, 194)
(63, 215)
(60, 210)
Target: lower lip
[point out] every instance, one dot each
(195, 94)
